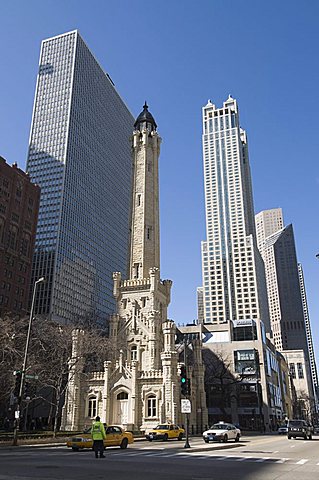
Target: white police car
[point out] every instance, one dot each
(222, 432)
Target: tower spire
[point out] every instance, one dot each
(145, 248)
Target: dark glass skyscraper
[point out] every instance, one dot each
(79, 154)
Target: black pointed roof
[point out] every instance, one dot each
(145, 116)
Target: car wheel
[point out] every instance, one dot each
(225, 439)
(150, 439)
(165, 438)
(180, 436)
(237, 438)
(205, 440)
(124, 443)
(289, 437)
(305, 436)
(310, 437)
(75, 449)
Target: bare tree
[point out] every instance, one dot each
(12, 341)
(56, 365)
(50, 361)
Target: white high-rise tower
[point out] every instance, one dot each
(233, 273)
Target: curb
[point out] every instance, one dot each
(202, 448)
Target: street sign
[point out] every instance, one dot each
(35, 377)
(186, 406)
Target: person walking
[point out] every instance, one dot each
(98, 435)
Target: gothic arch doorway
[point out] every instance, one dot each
(121, 408)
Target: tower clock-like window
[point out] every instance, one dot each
(151, 406)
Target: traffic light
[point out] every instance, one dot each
(30, 390)
(184, 381)
(17, 384)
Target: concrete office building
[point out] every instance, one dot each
(311, 352)
(287, 299)
(267, 223)
(234, 286)
(79, 154)
(233, 275)
(282, 276)
(19, 205)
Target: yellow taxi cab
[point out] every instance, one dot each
(165, 431)
(115, 437)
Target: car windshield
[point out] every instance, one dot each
(219, 426)
(296, 423)
(161, 427)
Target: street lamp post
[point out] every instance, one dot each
(24, 366)
(187, 445)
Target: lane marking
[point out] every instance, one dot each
(302, 461)
(260, 460)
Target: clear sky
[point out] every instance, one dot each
(177, 55)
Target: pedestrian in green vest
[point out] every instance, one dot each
(98, 435)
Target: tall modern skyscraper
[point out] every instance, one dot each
(277, 247)
(267, 223)
(288, 308)
(79, 154)
(233, 273)
(312, 358)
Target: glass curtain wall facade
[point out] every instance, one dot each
(233, 275)
(312, 357)
(79, 154)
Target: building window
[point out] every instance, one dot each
(151, 406)
(134, 353)
(292, 370)
(92, 407)
(122, 396)
(300, 370)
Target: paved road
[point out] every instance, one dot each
(255, 458)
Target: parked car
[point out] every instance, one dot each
(282, 430)
(115, 436)
(222, 432)
(165, 431)
(299, 428)
(316, 429)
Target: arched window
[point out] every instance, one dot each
(92, 407)
(134, 352)
(151, 406)
(122, 396)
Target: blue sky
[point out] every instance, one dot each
(177, 55)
